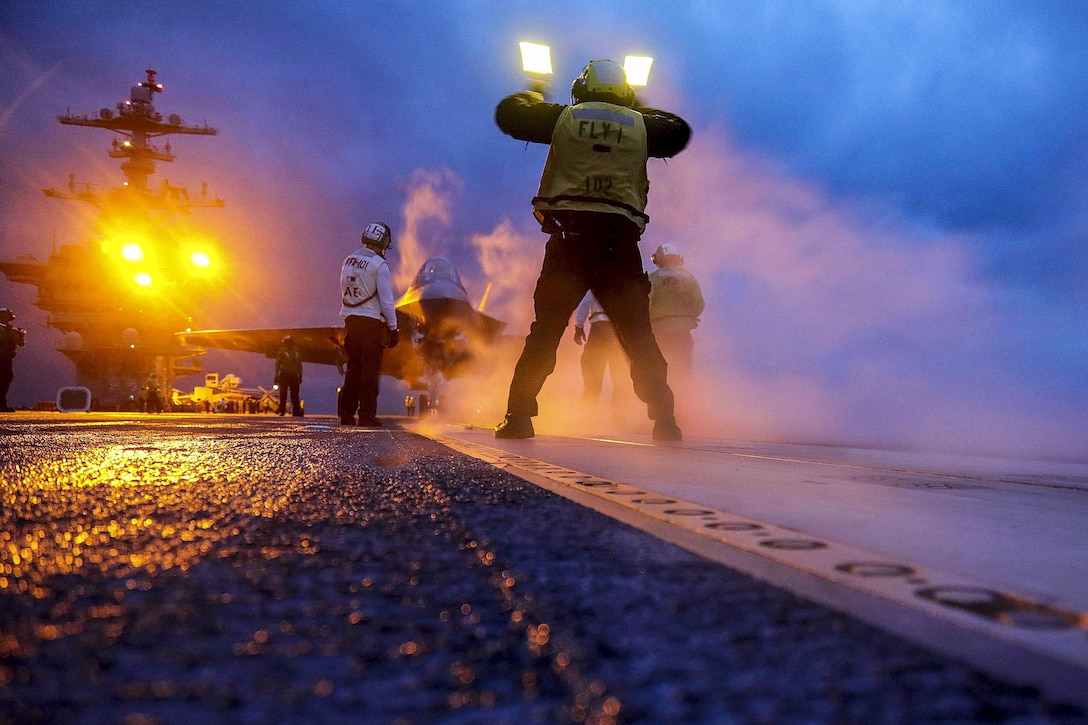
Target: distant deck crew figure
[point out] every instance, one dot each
(602, 350)
(289, 376)
(152, 397)
(676, 301)
(370, 324)
(592, 204)
(11, 339)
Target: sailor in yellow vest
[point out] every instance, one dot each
(676, 301)
(592, 203)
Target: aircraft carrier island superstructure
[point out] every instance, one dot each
(145, 270)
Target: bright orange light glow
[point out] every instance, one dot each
(200, 259)
(143, 279)
(536, 58)
(637, 68)
(132, 252)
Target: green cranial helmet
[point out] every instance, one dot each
(378, 236)
(602, 80)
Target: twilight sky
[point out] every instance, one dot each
(885, 203)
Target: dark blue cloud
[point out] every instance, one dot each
(962, 112)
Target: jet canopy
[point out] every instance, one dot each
(435, 269)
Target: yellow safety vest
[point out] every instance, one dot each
(597, 162)
(676, 300)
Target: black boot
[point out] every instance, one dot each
(667, 430)
(515, 426)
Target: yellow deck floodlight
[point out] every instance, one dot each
(143, 279)
(199, 256)
(637, 68)
(132, 252)
(536, 59)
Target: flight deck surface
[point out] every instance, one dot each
(983, 558)
(233, 568)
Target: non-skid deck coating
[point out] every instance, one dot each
(228, 569)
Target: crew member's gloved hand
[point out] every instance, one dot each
(539, 86)
(579, 335)
(394, 338)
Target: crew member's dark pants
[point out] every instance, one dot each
(598, 252)
(7, 374)
(677, 347)
(290, 384)
(602, 349)
(363, 345)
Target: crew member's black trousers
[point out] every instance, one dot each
(7, 374)
(598, 252)
(363, 345)
(677, 347)
(601, 350)
(290, 384)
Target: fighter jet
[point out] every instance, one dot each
(441, 332)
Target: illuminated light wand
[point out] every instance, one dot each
(536, 62)
(637, 69)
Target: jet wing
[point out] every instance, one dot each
(490, 326)
(320, 345)
(323, 345)
(439, 332)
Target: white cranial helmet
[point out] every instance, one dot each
(667, 255)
